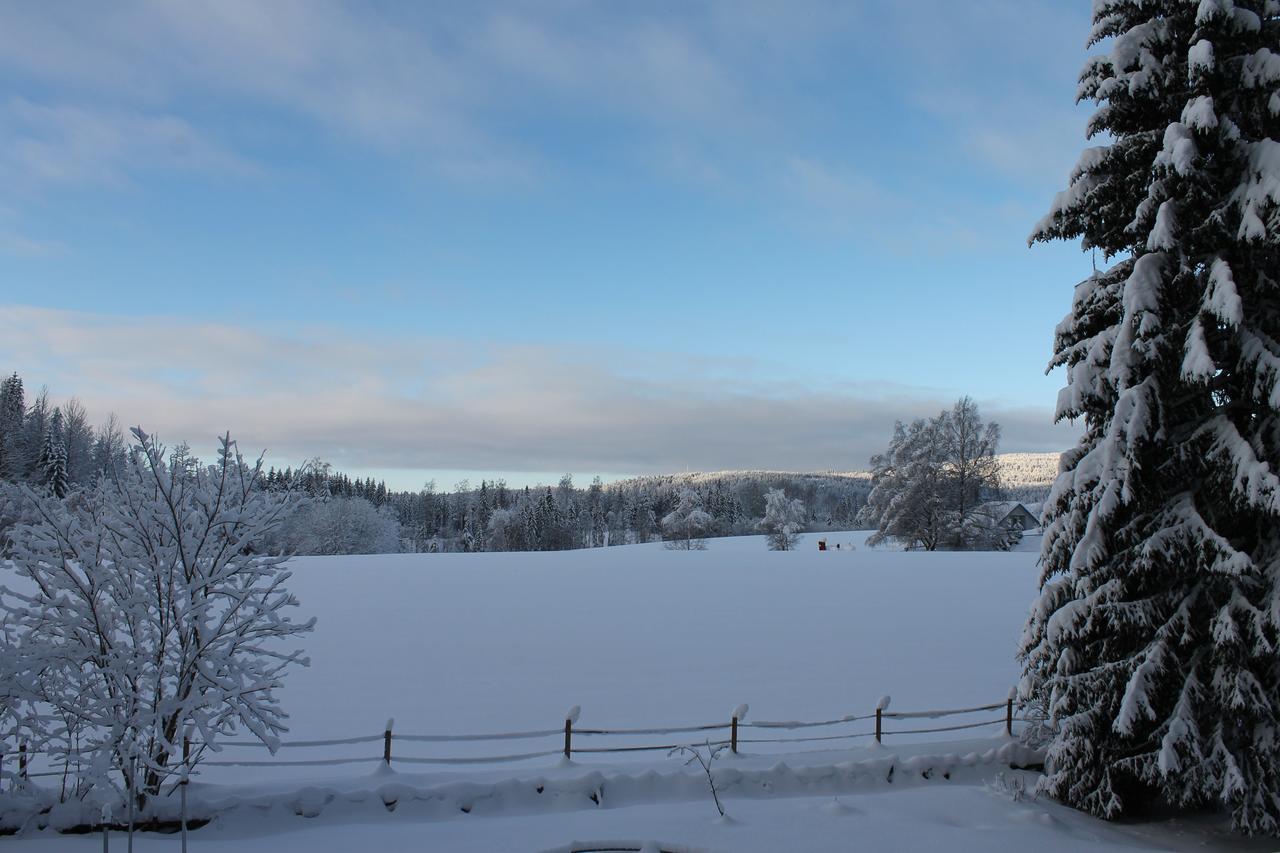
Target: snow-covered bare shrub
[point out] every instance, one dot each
(144, 608)
(705, 762)
(1012, 786)
(685, 527)
(341, 525)
(783, 521)
(1038, 729)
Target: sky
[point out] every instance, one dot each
(447, 240)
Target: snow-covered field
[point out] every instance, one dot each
(644, 637)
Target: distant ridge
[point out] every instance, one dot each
(1017, 471)
(1028, 469)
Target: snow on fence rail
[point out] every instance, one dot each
(733, 727)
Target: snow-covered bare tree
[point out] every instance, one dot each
(685, 527)
(907, 496)
(108, 448)
(77, 438)
(149, 606)
(927, 488)
(970, 448)
(784, 520)
(1155, 639)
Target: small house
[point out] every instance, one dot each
(1010, 515)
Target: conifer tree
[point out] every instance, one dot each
(1154, 641)
(13, 409)
(52, 465)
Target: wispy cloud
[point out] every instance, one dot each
(68, 145)
(437, 404)
(984, 68)
(437, 83)
(15, 240)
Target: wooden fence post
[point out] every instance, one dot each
(133, 781)
(186, 773)
(22, 760)
(1008, 718)
(739, 714)
(386, 742)
(881, 707)
(570, 717)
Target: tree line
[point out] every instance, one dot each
(928, 490)
(56, 449)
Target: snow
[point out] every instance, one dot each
(1261, 191)
(1199, 113)
(1223, 300)
(640, 636)
(977, 815)
(1180, 152)
(1197, 364)
(1200, 57)
(645, 637)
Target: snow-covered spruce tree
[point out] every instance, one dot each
(147, 607)
(51, 464)
(53, 459)
(783, 520)
(1154, 641)
(13, 409)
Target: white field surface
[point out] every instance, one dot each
(640, 636)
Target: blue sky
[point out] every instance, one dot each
(521, 238)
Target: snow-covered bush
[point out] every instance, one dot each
(783, 520)
(340, 525)
(1154, 641)
(685, 527)
(144, 607)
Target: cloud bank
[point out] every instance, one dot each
(415, 404)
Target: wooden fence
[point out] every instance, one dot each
(732, 733)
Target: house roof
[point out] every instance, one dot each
(1000, 510)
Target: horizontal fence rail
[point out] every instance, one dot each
(720, 734)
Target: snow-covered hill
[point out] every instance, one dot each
(1016, 469)
(1028, 469)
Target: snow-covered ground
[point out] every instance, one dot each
(644, 637)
